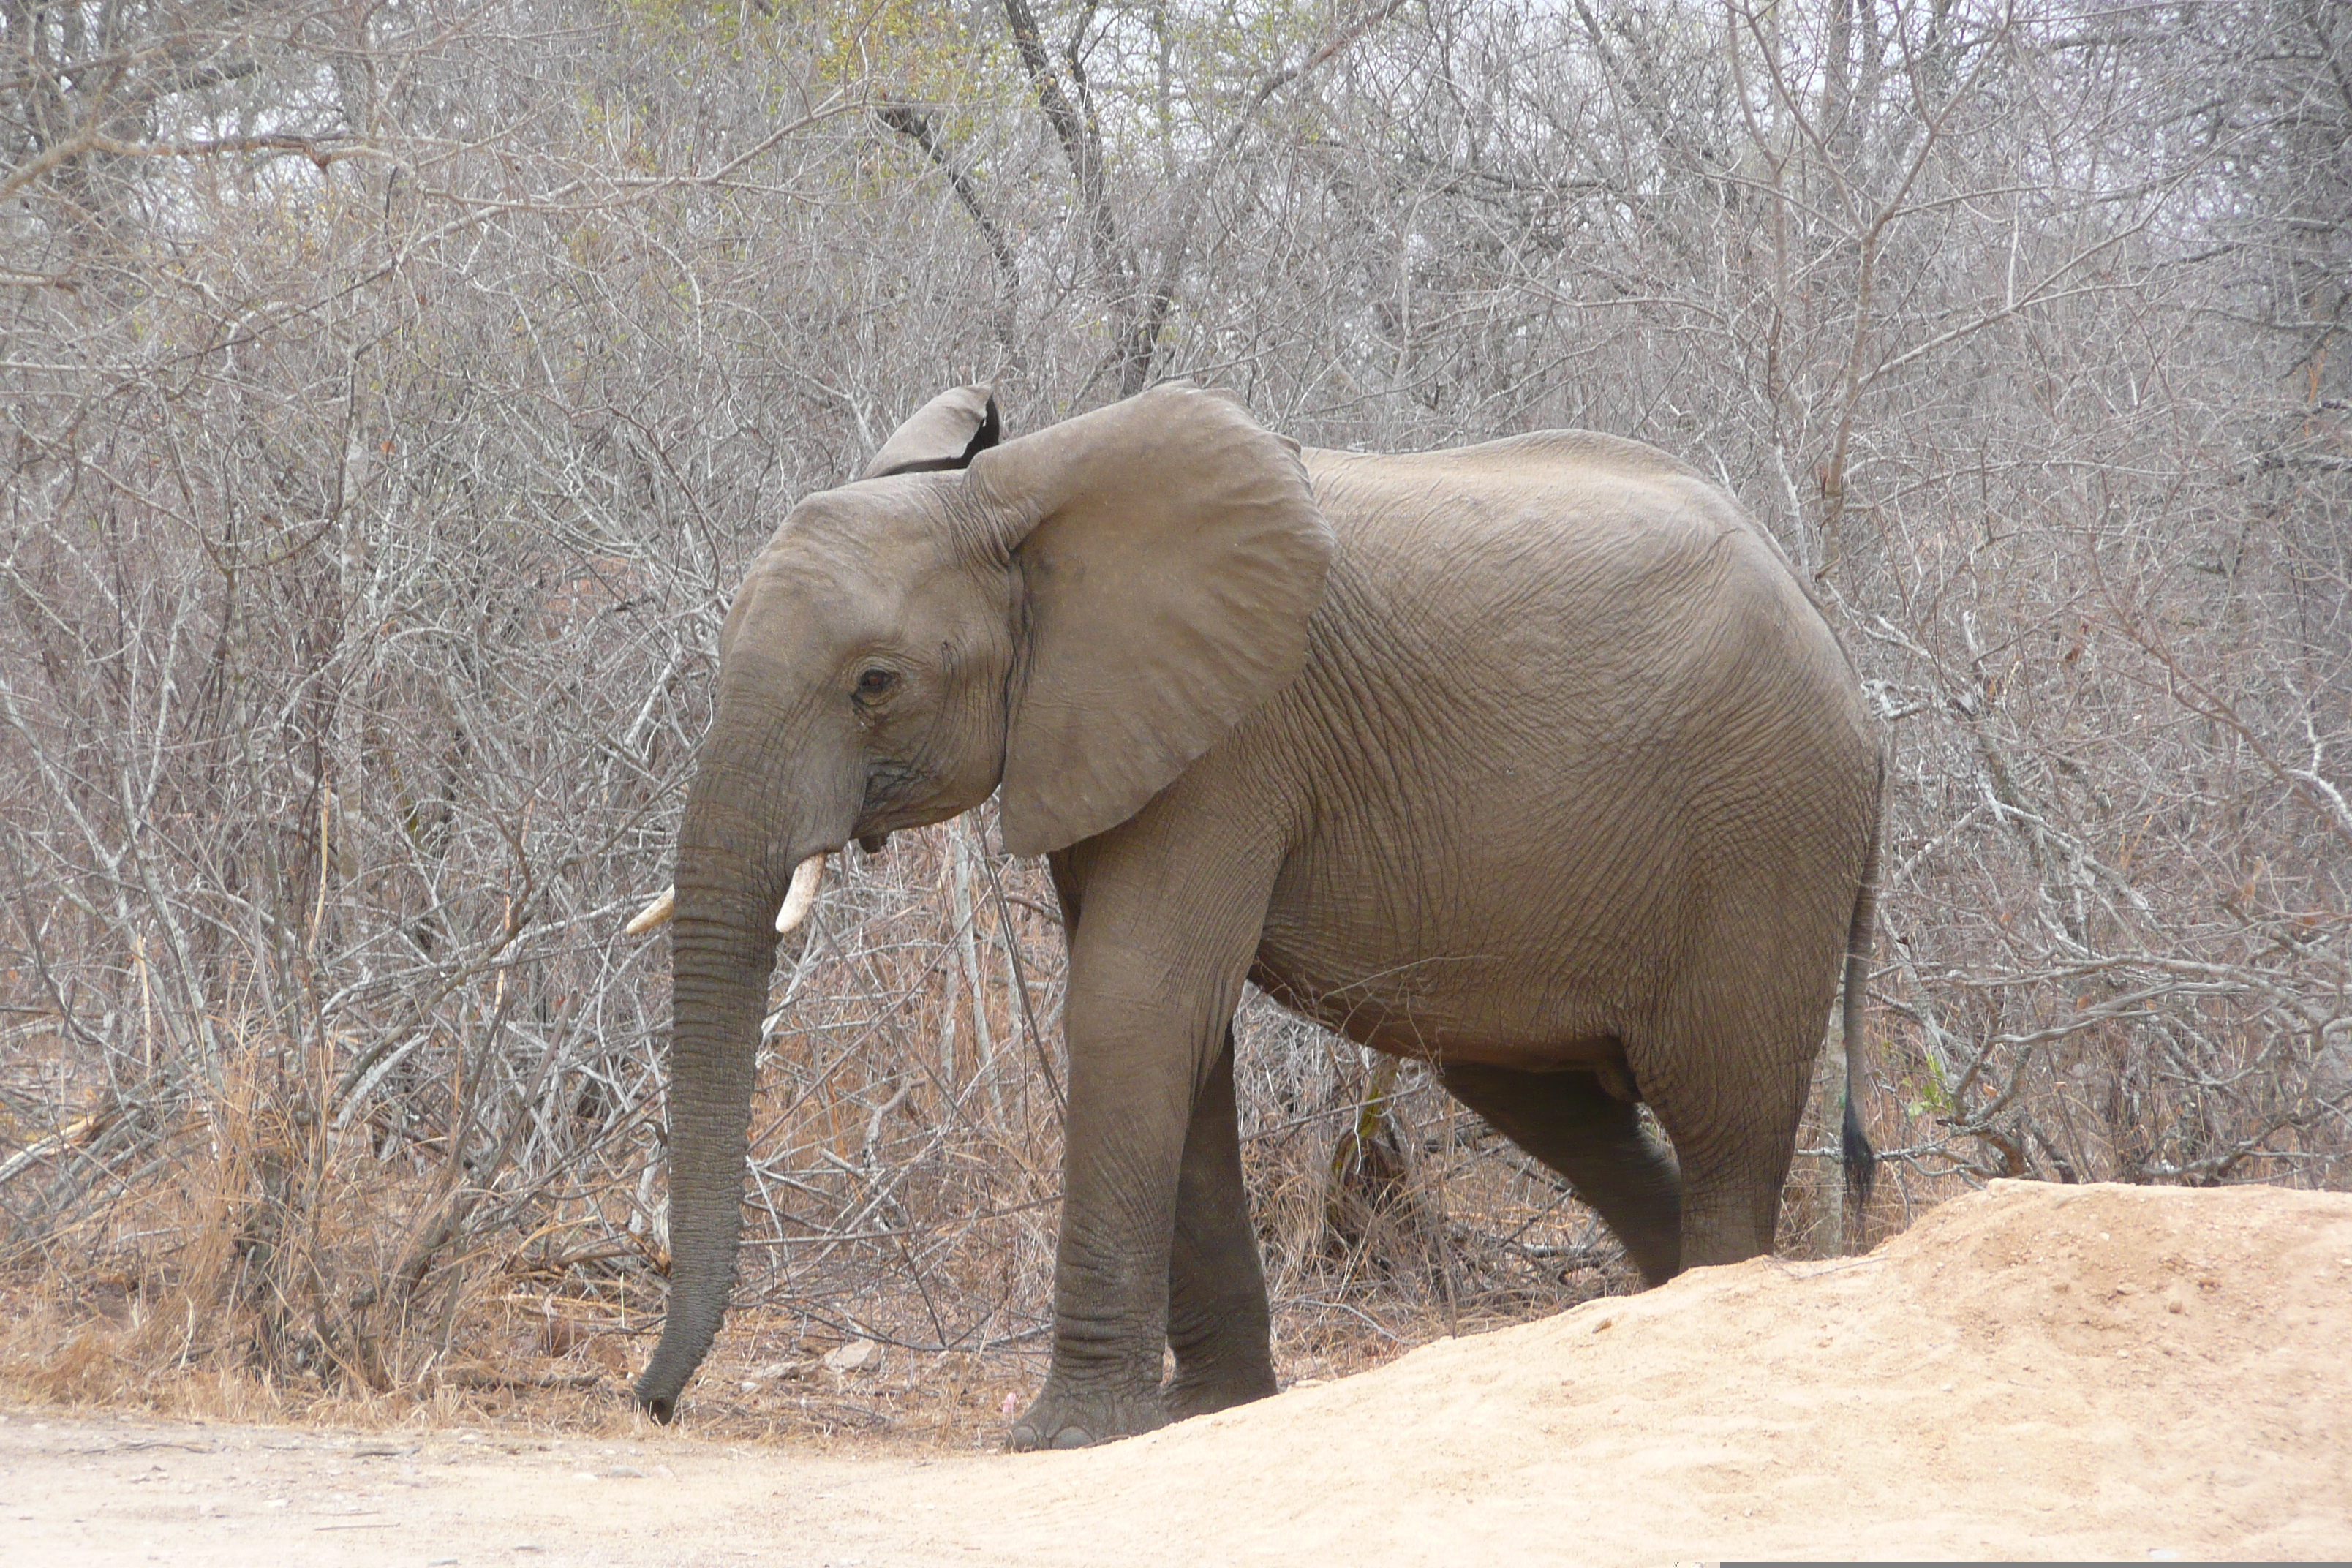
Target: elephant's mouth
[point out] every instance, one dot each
(893, 791)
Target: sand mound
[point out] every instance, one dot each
(2034, 1370)
(2031, 1372)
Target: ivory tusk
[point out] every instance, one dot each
(656, 913)
(801, 894)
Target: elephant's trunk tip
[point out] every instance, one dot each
(662, 1405)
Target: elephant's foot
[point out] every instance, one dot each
(1204, 1393)
(1075, 1420)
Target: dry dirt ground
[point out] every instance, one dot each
(2031, 1372)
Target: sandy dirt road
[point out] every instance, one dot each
(2034, 1372)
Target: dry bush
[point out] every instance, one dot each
(390, 399)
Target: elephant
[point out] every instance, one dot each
(1536, 761)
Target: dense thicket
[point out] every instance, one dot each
(391, 393)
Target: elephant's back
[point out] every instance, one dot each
(1556, 494)
(1581, 560)
(1536, 459)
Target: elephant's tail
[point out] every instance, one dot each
(1861, 1161)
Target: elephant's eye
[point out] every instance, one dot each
(875, 681)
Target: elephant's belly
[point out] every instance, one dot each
(1494, 955)
(1448, 1009)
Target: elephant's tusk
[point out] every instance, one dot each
(656, 913)
(801, 894)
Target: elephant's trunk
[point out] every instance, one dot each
(729, 881)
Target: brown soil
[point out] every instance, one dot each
(2031, 1371)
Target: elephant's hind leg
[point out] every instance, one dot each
(1572, 1124)
(1733, 1133)
(1218, 1324)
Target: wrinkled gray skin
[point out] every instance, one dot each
(1531, 759)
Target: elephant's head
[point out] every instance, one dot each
(1071, 618)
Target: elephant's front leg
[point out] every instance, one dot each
(1150, 994)
(1218, 1324)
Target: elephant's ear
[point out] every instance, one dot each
(948, 432)
(1169, 552)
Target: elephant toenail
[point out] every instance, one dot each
(1072, 1437)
